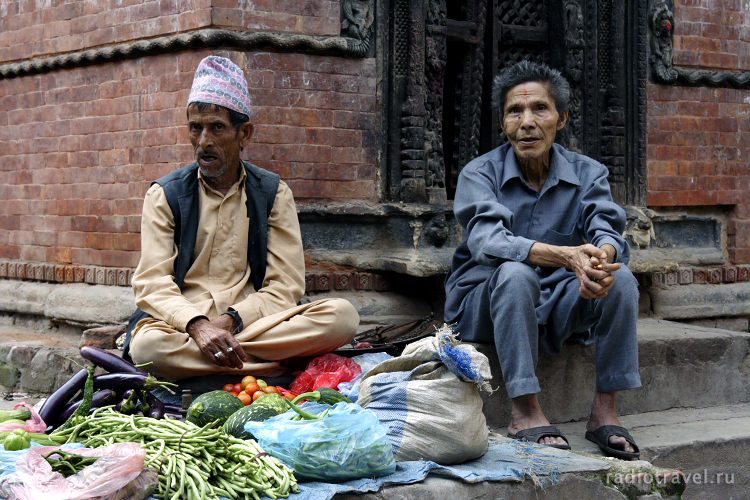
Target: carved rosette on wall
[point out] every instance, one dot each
(662, 27)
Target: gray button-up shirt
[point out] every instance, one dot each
(502, 217)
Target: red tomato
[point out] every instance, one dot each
(235, 393)
(247, 381)
(257, 395)
(252, 388)
(237, 388)
(229, 387)
(246, 400)
(270, 390)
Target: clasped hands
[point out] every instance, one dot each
(594, 272)
(215, 339)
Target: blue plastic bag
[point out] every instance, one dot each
(348, 443)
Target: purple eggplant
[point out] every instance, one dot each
(109, 361)
(101, 398)
(56, 402)
(157, 407)
(127, 404)
(142, 381)
(170, 415)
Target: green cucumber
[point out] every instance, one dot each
(331, 396)
(20, 414)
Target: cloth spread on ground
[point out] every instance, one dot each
(505, 460)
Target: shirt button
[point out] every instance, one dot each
(536, 221)
(518, 256)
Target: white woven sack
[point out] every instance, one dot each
(431, 413)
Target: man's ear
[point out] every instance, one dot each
(245, 133)
(562, 121)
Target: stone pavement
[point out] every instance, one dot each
(693, 413)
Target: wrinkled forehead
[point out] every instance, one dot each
(528, 92)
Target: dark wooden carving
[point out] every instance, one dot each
(662, 26)
(435, 47)
(412, 185)
(439, 89)
(572, 21)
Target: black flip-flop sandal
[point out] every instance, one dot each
(534, 434)
(601, 438)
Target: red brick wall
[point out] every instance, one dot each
(699, 138)
(37, 28)
(318, 17)
(79, 147)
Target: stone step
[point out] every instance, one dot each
(681, 366)
(711, 446)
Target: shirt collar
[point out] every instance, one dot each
(241, 181)
(560, 169)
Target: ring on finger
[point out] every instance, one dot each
(230, 349)
(218, 355)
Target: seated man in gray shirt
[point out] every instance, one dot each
(543, 260)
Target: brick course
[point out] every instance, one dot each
(81, 146)
(699, 138)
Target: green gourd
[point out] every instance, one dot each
(265, 407)
(213, 406)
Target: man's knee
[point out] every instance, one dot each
(145, 347)
(140, 351)
(625, 288)
(342, 317)
(512, 277)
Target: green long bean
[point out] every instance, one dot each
(193, 463)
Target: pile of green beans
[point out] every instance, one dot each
(194, 463)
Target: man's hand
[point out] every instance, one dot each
(215, 336)
(595, 274)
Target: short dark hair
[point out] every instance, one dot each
(529, 71)
(235, 118)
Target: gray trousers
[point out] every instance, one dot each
(503, 310)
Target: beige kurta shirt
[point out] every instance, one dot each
(219, 277)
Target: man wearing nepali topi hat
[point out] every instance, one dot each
(222, 268)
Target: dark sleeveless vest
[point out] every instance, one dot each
(181, 189)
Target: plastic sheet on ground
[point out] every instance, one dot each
(505, 460)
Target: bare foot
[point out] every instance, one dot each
(603, 412)
(527, 413)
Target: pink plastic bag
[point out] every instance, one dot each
(34, 424)
(103, 480)
(328, 370)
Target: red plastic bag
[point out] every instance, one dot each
(108, 478)
(328, 370)
(35, 424)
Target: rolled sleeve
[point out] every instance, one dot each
(487, 221)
